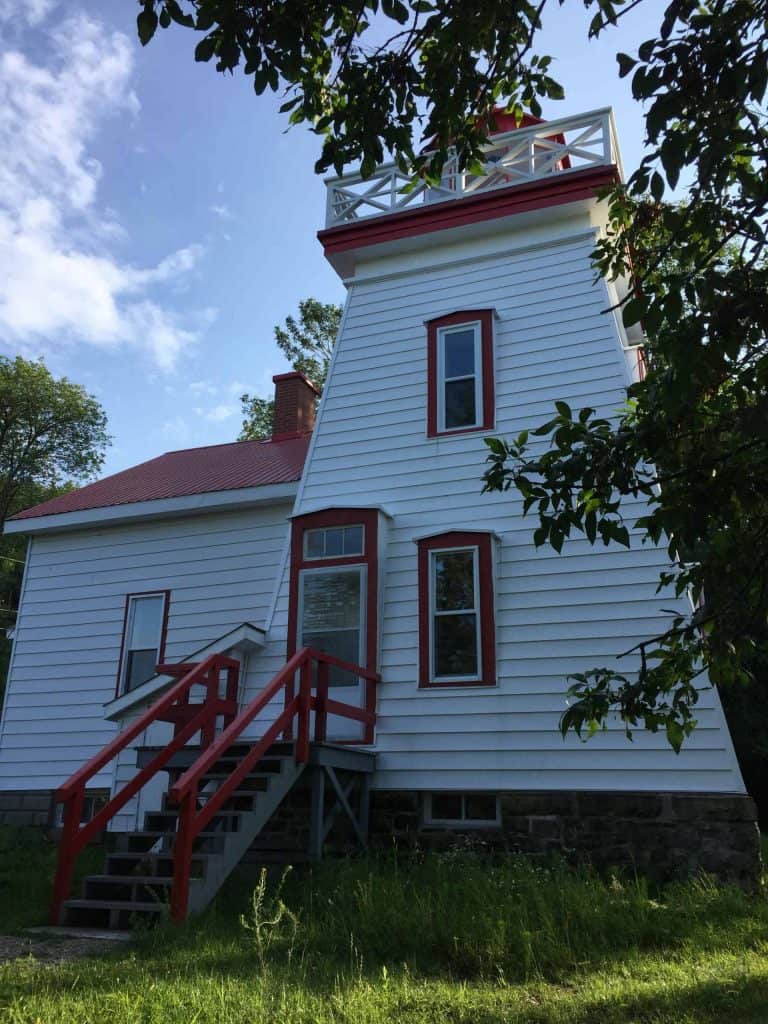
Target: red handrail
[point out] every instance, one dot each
(185, 792)
(174, 706)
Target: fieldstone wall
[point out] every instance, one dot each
(25, 807)
(662, 836)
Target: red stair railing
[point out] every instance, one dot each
(187, 718)
(185, 792)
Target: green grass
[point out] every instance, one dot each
(27, 864)
(446, 938)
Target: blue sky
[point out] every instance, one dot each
(157, 220)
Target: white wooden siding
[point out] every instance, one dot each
(555, 614)
(220, 569)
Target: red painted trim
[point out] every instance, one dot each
(485, 316)
(444, 542)
(163, 632)
(505, 202)
(370, 557)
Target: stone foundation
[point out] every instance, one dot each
(662, 836)
(26, 807)
(35, 807)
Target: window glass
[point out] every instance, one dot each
(455, 641)
(144, 629)
(459, 352)
(147, 621)
(460, 403)
(455, 645)
(463, 808)
(447, 806)
(480, 807)
(454, 580)
(332, 618)
(334, 542)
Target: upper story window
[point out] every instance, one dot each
(456, 628)
(460, 373)
(146, 619)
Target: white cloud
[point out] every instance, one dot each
(202, 387)
(218, 413)
(59, 282)
(30, 11)
(221, 211)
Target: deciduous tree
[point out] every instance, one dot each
(374, 79)
(307, 344)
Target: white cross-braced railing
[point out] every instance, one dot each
(516, 157)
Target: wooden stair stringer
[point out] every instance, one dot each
(236, 844)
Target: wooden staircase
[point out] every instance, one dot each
(221, 795)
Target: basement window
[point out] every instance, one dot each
(462, 810)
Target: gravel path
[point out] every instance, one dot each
(56, 950)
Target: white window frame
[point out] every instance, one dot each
(362, 570)
(433, 613)
(442, 380)
(463, 822)
(129, 620)
(323, 529)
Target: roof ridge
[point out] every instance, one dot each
(230, 444)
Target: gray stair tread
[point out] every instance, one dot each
(114, 904)
(130, 879)
(174, 812)
(151, 854)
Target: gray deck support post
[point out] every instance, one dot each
(316, 809)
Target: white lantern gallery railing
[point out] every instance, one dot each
(516, 157)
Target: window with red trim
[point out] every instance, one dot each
(145, 625)
(334, 581)
(456, 622)
(460, 395)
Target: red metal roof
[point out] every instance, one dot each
(218, 467)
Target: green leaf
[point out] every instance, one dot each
(632, 311)
(626, 64)
(146, 24)
(564, 409)
(205, 49)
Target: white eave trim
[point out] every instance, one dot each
(455, 528)
(312, 508)
(188, 504)
(244, 638)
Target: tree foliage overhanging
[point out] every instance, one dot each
(52, 433)
(693, 440)
(307, 344)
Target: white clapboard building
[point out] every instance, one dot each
(355, 641)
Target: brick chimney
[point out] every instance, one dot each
(295, 404)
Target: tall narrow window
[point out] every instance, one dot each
(333, 604)
(460, 394)
(456, 628)
(143, 638)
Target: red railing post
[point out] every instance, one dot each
(182, 856)
(321, 715)
(208, 732)
(65, 867)
(370, 707)
(305, 701)
(233, 678)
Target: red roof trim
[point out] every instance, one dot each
(555, 191)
